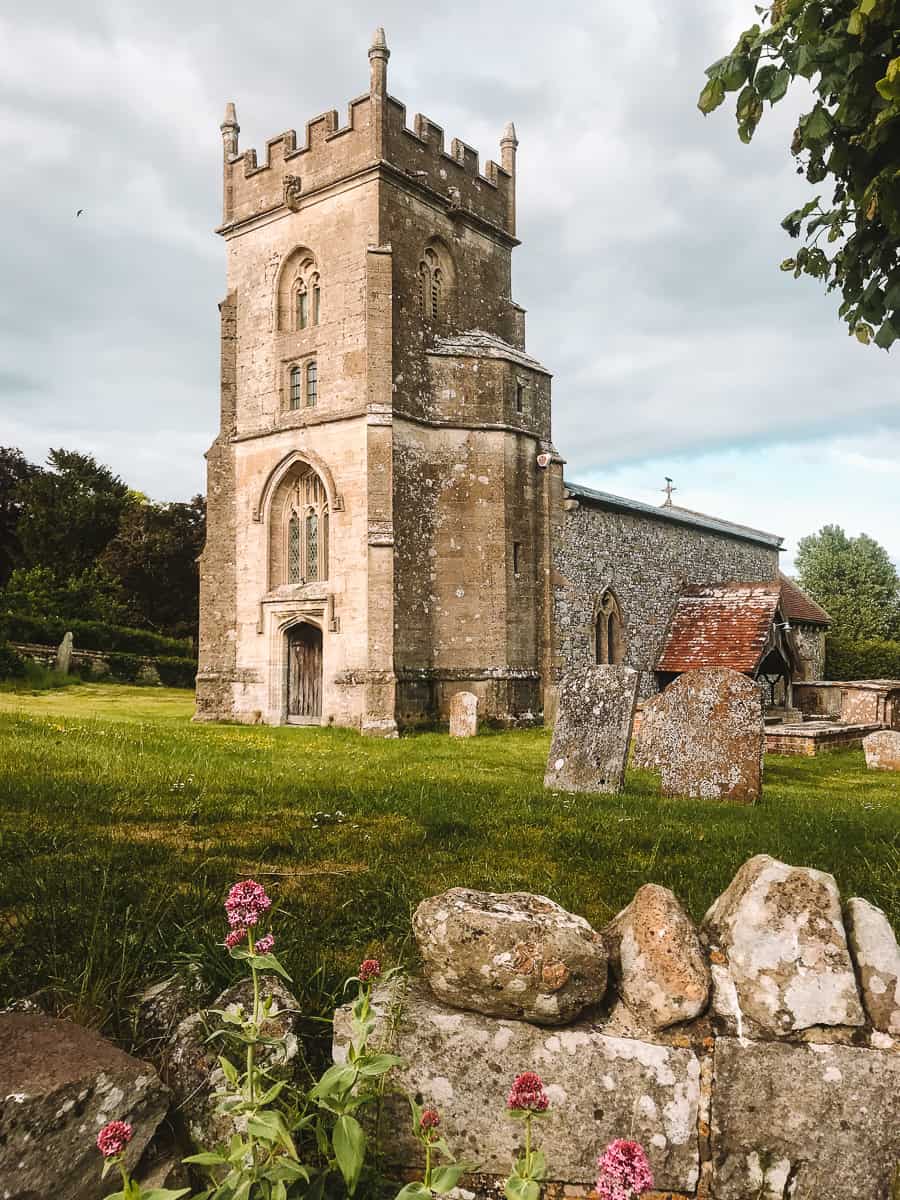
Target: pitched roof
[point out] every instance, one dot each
(672, 513)
(723, 626)
(475, 343)
(797, 606)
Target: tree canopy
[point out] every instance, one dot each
(854, 580)
(849, 140)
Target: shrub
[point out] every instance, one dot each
(872, 658)
(12, 665)
(176, 672)
(90, 635)
(124, 667)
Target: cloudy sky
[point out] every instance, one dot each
(648, 267)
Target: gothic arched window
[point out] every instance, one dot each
(299, 545)
(316, 297)
(431, 285)
(302, 304)
(609, 631)
(312, 384)
(299, 293)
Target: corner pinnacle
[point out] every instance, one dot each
(509, 134)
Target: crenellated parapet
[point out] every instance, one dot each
(374, 135)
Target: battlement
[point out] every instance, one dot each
(375, 134)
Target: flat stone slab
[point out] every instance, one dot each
(589, 749)
(600, 1088)
(826, 1117)
(876, 954)
(463, 715)
(882, 750)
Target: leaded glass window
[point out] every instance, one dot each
(294, 567)
(312, 545)
(296, 387)
(302, 306)
(312, 384)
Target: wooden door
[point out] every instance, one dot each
(305, 675)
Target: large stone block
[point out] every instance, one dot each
(658, 961)
(589, 749)
(510, 955)
(882, 750)
(804, 1121)
(877, 957)
(463, 715)
(786, 963)
(708, 735)
(600, 1088)
(59, 1085)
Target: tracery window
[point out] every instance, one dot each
(431, 285)
(306, 530)
(609, 631)
(312, 384)
(306, 296)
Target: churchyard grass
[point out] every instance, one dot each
(122, 825)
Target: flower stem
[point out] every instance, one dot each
(528, 1146)
(251, 1086)
(428, 1165)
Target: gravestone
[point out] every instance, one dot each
(463, 715)
(882, 750)
(593, 727)
(64, 654)
(708, 736)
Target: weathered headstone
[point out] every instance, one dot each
(510, 955)
(781, 963)
(59, 1085)
(64, 654)
(649, 740)
(463, 715)
(657, 959)
(589, 748)
(708, 736)
(882, 750)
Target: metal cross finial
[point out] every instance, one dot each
(668, 489)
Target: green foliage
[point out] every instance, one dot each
(854, 580)
(94, 595)
(872, 658)
(849, 138)
(176, 672)
(12, 665)
(90, 635)
(15, 470)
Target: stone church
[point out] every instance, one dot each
(388, 521)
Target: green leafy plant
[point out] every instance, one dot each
(527, 1102)
(441, 1178)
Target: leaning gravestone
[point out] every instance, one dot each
(882, 750)
(709, 736)
(64, 654)
(593, 727)
(463, 715)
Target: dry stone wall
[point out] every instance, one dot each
(786, 1085)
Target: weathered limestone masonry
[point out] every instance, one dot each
(754, 1058)
(379, 527)
(645, 556)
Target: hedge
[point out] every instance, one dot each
(91, 635)
(872, 658)
(172, 671)
(12, 665)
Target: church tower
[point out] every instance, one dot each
(383, 492)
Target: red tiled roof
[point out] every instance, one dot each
(723, 626)
(797, 606)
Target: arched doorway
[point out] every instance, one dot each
(304, 667)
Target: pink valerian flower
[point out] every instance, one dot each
(624, 1172)
(369, 969)
(265, 945)
(247, 902)
(429, 1120)
(235, 938)
(113, 1138)
(527, 1094)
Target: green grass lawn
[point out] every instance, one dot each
(122, 825)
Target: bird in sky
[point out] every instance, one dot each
(80, 211)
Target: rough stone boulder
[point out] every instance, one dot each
(797, 1121)
(705, 734)
(598, 1086)
(192, 1068)
(882, 750)
(781, 962)
(59, 1085)
(510, 955)
(657, 959)
(463, 715)
(877, 957)
(589, 748)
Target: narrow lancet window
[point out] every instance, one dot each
(312, 545)
(296, 387)
(312, 384)
(294, 549)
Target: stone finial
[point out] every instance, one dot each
(230, 130)
(378, 58)
(509, 135)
